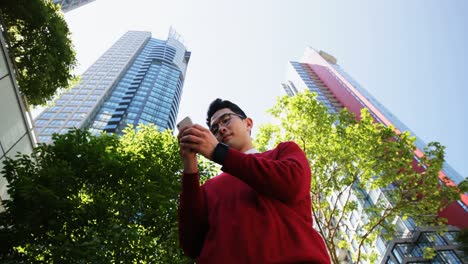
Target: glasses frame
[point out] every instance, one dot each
(214, 128)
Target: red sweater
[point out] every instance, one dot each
(257, 211)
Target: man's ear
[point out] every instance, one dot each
(249, 123)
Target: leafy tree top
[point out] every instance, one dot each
(39, 44)
(95, 199)
(360, 167)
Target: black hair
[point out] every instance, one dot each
(220, 104)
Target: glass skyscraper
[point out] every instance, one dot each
(319, 72)
(138, 80)
(67, 5)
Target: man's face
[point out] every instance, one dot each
(231, 129)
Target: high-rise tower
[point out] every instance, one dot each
(138, 80)
(320, 73)
(67, 5)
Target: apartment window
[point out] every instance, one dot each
(3, 66)
(62, 115)
(48, 131)
(131, 115)
(354, 244)
(146, 116)
(400, 252)
(381, 247)
(354, 218)
(47, 115)
(78, 116)
(56, 122)
(451, 237)
(401, 228)
(72, 123)
(45, 138)
(40, 122)
(54, 108)
(68, 109)
(449, 256)
(129, 121)
(435, 239)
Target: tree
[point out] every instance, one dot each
(39, 44)
(462, 238)
(360, 166)
(95, 199)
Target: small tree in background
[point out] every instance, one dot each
(39, 44)
(352, 159)
(88, 199)
(462, 238)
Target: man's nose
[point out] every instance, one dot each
(222, 129)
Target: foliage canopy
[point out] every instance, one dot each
(360, 167)
(39, 44)
(95, 199)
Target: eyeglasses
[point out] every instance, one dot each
(223, 120)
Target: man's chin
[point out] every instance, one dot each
(227, 139)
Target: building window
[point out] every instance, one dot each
(48, 131)
(67, 109)
(41, 122)
(381, 247)
(451, 237)
(400, 251)
(78, 116)
(62, 115)
(56, 122)
(45, 138)
(47, 115)
(449, 256)
(3, 66)
(432, 239)
(90, 103)
(72, 123)
(63, 131)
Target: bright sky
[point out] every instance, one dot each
(411, 55)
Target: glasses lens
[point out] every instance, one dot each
(214, 129)
(223, 121)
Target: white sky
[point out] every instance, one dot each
(410, 55)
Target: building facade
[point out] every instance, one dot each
(319, 72)
(138, 80)
(16, 133)
(67, 5)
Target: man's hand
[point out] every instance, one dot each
(198, 139)
(189, 156)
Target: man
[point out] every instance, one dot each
(258, 210)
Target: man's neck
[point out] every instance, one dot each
(246, 147)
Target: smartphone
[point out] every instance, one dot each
(184, 123)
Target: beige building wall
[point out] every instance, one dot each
(15, 125)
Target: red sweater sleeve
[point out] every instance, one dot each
(193, 221)
(286, 177)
